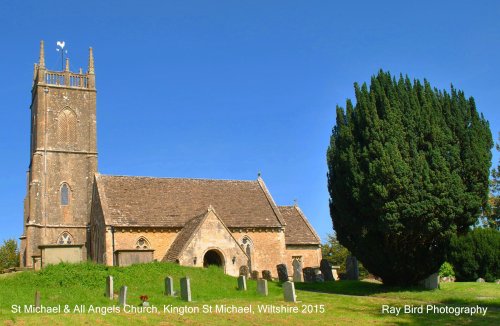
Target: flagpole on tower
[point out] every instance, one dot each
(61, 45)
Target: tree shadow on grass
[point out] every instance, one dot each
(490, 303)
(359, 288)
(425, 318)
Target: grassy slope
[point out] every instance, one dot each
(345, 302)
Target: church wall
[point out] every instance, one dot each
(97, 244)
(33, 238)
(213, 235)
(268, 249)
(311, 255)
(57, 159)
(48, 236)
(75, 171)
(158, 240)
(63, 150)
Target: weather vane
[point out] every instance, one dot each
(60, 48)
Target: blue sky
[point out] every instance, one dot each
(225, 89)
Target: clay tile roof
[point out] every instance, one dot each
(184, 237)
(298, 231)
(172, 202)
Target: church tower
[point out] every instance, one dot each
(63, 161)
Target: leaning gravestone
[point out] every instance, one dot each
(326, 270)
(289, 292)
(122, 299)
(262, 287)
(431, 282)
(37, 299)
(266, 274)
(169, 286)
(244, 270)
(309, 274)
(351, 266)
(297, 271)
(186, 289)
(242, 283)
(282, 272)
(109, 287)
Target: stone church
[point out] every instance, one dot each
(72, 213)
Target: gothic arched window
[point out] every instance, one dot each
(66, 127)
(247, 246)
(65, 239)
(142, 243)
(65, 194)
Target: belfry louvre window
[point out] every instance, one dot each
(66, 127)
(64, 194)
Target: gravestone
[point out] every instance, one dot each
(289, 292)
(431, 282)
(255, 275)
(318, 276)
(242, 283)
(122, 299)
(326, 270)
(37, 299)
(335, 273)
(266, 274)
(186, 289)
(109, 287)
(282, 272)
(351, 266)
(244, 270)
(297, 271)
(169, 286)
(480, 280)
(262, 287)
(309, 274)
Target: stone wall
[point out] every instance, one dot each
(311, 255)
(98, 243)
(54, 254)
(268, 248)
(129, 257)
(159, 239)
(213, 235)
(63, 151)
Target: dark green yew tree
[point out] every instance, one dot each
(408, 168)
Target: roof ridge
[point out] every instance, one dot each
(270, 199)
(171, 178)
(307, 222)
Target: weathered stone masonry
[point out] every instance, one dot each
(72, 213)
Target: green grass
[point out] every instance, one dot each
(345, 302)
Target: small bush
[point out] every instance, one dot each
(446, 270)
(476, 254)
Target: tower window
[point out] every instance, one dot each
(64, 194)
(66, 126)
